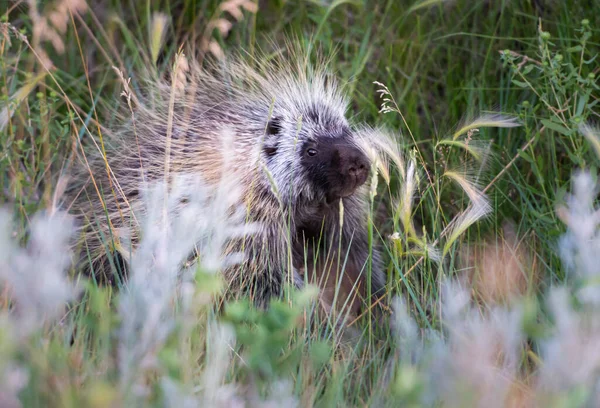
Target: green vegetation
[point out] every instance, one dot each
(467, 195)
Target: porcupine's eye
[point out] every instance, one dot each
(311, 152)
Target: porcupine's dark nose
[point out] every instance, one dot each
(355, 166)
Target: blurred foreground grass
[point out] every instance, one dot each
(443, 71)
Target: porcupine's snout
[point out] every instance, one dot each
(350, 171)
(354, 166)
(335, 167)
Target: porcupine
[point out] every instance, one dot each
(297, 157)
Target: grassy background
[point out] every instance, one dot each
(443, 62)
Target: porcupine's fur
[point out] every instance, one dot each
(275, 112)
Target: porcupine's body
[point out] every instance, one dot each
(288, 129)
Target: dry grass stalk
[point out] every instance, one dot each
(235, 8)
(180, 74)
(52, 25)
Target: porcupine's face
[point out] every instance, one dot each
(314, 158)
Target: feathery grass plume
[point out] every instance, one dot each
(419, 247)
(478, 209)
(36, 275)
(374, 181)
(387, 144)
(469, 186)
(174, 223)
(478, 149)
(475, 212)
(496, 120)
(430, 250)
(380, 146)
(157, 31)
(403, 217)
(379, 163)
(592, 135)
(406, 198)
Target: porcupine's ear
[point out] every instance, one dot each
(274, 126)
(272, 135)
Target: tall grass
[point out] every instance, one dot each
(476, 313)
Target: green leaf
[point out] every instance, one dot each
(320, 352)
(582, 102)
(525, 156)
(528, 69)
(423, 4)
(556, 127)
(588, 62)
(520, 84)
